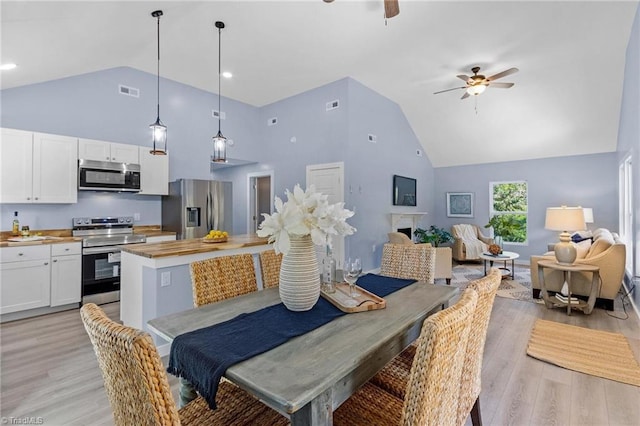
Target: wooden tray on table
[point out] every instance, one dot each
(363, 301)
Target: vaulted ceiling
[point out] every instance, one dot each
(566, 98)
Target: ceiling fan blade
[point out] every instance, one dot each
(463, 77)
(391, 8)
(501, 85)
(465, 96)
(503, 74)
(448, 90)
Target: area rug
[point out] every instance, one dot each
(519, 289)
(594, 352)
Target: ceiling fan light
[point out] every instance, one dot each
(476, 89)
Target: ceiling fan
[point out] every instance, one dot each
(478, 83)
(391, 7)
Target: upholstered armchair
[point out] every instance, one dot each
(443, 255)
(468, 242)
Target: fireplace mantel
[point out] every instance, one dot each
(405, 219)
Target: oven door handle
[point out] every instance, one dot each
(99, 250)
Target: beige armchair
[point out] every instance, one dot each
(468, 242)
(443, 255)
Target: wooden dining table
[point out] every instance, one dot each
(309, 376)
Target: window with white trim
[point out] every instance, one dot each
(508, 210)
(626, 210)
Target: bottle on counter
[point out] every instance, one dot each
(329, 272)
(15, 229)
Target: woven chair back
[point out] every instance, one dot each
(470, 383)
(270, 268)
(434, 382)
(134, 376)
(221, 278)
(415, 261)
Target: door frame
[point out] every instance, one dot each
(250, 179)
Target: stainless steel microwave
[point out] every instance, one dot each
(108, 176)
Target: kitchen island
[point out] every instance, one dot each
(156, 281)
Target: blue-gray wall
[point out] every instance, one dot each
(629, 133)
(89, 106)
(586, 180)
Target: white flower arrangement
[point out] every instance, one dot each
(305, 213)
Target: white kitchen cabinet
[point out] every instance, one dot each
(90, 149)
(154, 173)
(66, 274)
(38, 167)
(25, 283)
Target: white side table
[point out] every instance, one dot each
(505, 256)
(551, 302)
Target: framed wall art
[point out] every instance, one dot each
(459, 204)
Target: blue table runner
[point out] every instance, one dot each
(202, 356)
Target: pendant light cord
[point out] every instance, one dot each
(158, 80)
(219, 69)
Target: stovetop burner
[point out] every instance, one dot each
(106, 231)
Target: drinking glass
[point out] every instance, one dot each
(352, 270)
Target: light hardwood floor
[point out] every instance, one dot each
(48, 370)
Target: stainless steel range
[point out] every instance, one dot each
(101, 237)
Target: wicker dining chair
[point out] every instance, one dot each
(415, 261)
(434, 380)
(393, 378)
(270, 268)
(138, 389)
(221, 278)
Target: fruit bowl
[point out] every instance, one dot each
(214, 240)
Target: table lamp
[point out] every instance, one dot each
(588, 214)
(565, 219)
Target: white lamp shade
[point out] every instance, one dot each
(476, 89)
(565, 219)
(588, 214)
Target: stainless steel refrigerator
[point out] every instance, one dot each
(194, 207)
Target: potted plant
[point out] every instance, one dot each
(433, 235)
(506, 227)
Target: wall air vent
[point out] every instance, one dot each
(372, 138)
(218, 114)
(272, 121)
(333, 105)
(129, 91)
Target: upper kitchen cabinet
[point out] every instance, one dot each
(154, 173)
(89, 149)
(38, 168)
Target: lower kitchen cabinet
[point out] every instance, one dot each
(25, 284)
(40, 276)
(66, 274)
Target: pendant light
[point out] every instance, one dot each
(219, 141)
(158, 130)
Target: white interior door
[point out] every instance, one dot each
(329, 179)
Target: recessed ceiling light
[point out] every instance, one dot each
(227, 74)
(5, 67)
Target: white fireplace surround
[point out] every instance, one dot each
(405, 220)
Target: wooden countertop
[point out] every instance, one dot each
(191, 246)
(49, 240)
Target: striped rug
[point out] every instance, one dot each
(595, 352)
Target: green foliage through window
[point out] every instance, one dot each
(509, 211)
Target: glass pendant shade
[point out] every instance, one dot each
(159, 136)
(219, 148)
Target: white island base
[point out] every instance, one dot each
(155, 278)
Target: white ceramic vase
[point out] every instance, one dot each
(299, 275)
